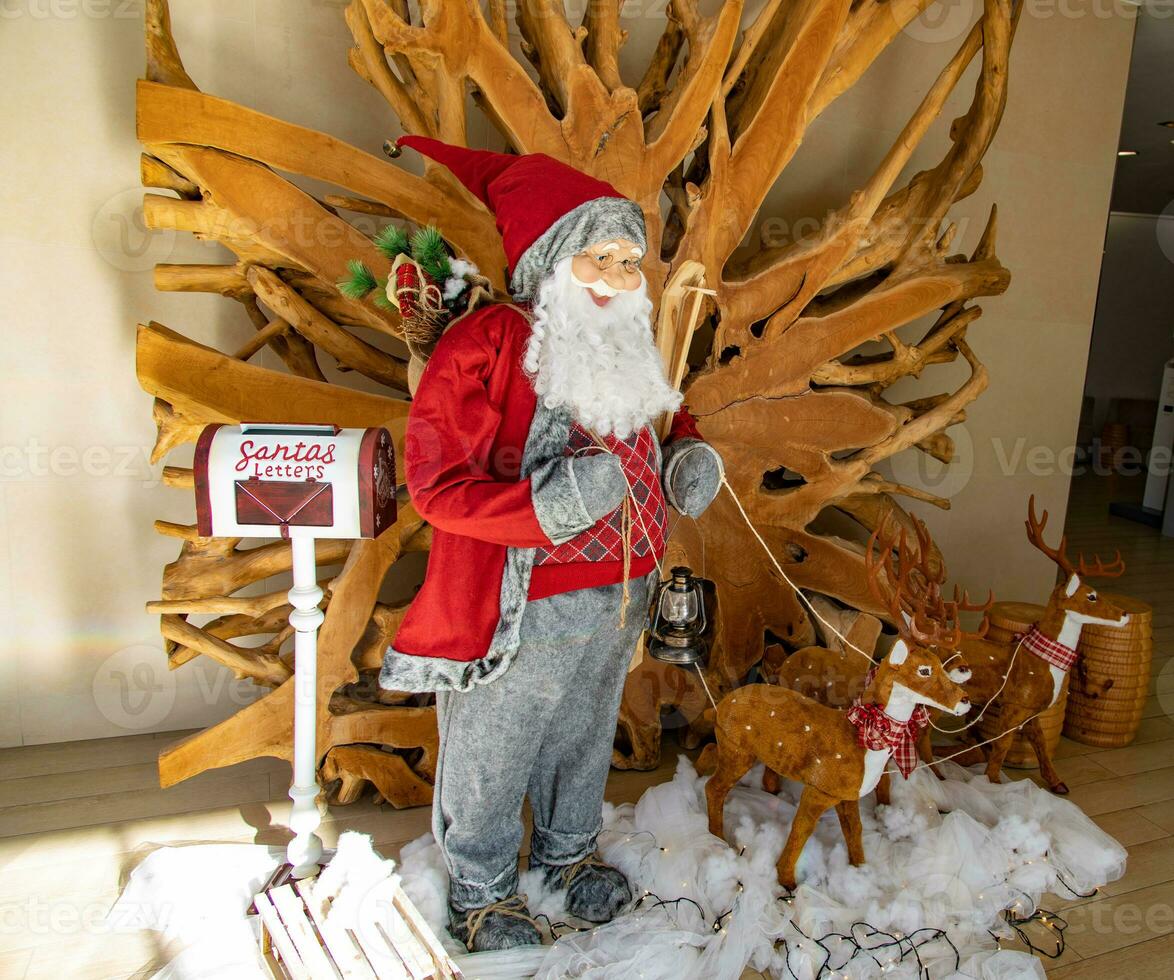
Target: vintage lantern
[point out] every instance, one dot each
(676, 633)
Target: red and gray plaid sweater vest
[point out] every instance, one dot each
(596, 556)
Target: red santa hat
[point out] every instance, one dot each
(545, 210)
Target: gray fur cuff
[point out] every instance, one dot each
(592, 221)
(692, 475)
(570, 494)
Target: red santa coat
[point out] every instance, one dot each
(463, 452)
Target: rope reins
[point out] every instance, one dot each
(867, 656)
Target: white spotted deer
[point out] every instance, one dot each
(1023, 677)
(839, 756)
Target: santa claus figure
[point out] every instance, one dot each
(531, 451)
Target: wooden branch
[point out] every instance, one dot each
(163, 62)
(696, 93)
(832, 258)
(153, 172)
(811, 342)
(870, 27)
(361, 205)
(227, 280)
(601, 20)
(273, 330)
(325, 333)
(179, 477)
(263, 727)
(456, 33)
(218, 605)
(167, 115)
(263, 669)
(295, 351)
(169, 367)
(370, 61)
(655, 84)
(551, 45)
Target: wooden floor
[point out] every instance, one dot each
(75, 817)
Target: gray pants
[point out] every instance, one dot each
(544, 729)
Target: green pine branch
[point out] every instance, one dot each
(431, 252)
(359, 282)
(392, 241)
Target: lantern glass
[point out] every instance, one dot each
(678, 607)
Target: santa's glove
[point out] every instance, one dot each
(500, 925)
(571, 493)
(595, 890)
(692, 475)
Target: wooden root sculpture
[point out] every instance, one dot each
(1023, 677)
(778, 377)
(838, 756)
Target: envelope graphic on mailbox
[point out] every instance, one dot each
(309, 504)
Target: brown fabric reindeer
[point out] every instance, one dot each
(819, 746)
(836, 678)
(1025, 683)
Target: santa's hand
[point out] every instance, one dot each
(571, 493)
(692, 475)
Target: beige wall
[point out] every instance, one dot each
(78, 557)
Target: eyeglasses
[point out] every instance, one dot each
(605, 260)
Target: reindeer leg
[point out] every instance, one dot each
(883, 796)
(1035, 735)
(771, 783)
(1001, 746)
(812, 805)
(849, 813)
(732, 765)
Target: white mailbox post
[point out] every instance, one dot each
(298, 482)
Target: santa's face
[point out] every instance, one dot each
(608, 268)
(591, 346)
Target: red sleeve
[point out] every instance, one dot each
(684, 426)
(451, 431)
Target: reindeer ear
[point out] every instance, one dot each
(1073, 585)
(898, 654)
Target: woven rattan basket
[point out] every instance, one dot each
(1110, 682)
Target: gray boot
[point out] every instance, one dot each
(501, 925)
(595, 890)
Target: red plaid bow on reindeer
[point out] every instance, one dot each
(876, 730)
(1048, 650)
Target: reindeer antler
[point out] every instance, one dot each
(1082, 569)
(921, 615)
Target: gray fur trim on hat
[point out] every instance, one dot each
(592, 221)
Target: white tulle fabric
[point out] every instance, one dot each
(945, 855)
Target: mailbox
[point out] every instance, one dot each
(265, 480)
(299, 482)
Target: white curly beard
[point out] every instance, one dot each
(600, 363)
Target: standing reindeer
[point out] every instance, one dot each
(1024, 677)
(839, 756)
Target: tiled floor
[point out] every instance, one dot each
(74, 817)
